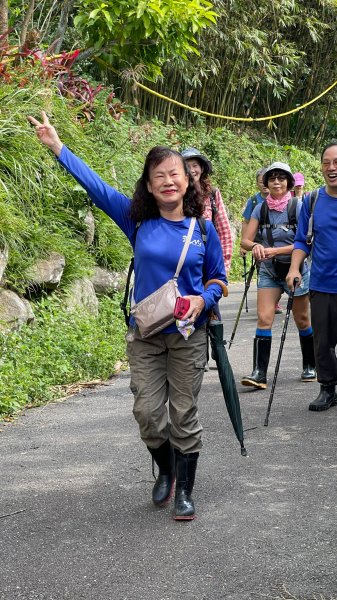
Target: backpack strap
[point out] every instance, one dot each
(213, 205)
(265, 222)
(202, 227)
(124, 304)
(312, 203)
(254, 200)
(292, 212)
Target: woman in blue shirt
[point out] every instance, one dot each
(166, 369)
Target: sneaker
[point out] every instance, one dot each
(278, 309)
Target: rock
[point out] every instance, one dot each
(107, 282)
(47, 272)
(3, 261)
(82, 295)
(89, 222)
(14, 311)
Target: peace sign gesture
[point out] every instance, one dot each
(47, 133)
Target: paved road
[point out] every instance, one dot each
(76, 486)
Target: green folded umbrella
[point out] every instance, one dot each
(231, 396)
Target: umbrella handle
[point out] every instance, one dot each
(219, 282)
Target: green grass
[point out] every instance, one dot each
(59, 349)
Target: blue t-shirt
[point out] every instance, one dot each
(282, 236)
(323, 271)
(247, 213)
(159, 243)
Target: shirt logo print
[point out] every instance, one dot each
(192, 242)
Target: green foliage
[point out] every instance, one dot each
(147, 32)
(39, 204)
(59, 349)
(261, 59)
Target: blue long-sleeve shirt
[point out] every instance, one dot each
(323, 271)
(159, 243)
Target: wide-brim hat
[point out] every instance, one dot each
(191, 153)
(279, 166)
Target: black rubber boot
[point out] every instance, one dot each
(186, 466)
(308, 356)
(163, 488)
(261, 355)
(325, 398)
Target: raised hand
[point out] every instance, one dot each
(46, 133)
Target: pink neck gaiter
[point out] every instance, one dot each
(278, 204)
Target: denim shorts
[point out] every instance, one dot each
(265, 280)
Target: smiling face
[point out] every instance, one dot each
(329, 169)
(195, 169)
(168, 183)
(277, 183)
(299, 189)
(259, 182)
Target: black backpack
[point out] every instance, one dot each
(265, 223)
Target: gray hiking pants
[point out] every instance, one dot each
(166, 376)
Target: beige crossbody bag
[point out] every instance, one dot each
(155, 312)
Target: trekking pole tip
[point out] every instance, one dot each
(243, 451)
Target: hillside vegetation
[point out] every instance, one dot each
(42, 208)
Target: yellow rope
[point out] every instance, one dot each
(249, 119)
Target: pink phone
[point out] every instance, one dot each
(181, 307)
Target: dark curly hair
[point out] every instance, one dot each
(144, 205)
(205, 185)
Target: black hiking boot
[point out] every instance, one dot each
(307, 348)
(163, 488)
(325, 398)
(186, 466)
(261, 355)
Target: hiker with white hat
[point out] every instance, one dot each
(277, 218)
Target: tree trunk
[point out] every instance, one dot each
(25, 24)
(3, 22)
(63, 24)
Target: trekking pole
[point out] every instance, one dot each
(247, 286)
(245, 276)
(283, 337)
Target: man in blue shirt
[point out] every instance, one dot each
(323, 276)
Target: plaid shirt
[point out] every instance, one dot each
(221, 223)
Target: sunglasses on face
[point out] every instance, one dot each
(280, 177)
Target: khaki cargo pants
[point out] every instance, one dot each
(167, 371)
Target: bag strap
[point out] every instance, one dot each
(265, 223)
(124, 304)
(185, 248)
(254, 200)
(202, 227)
(292, 212)
(213, 205)
(312, 203)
